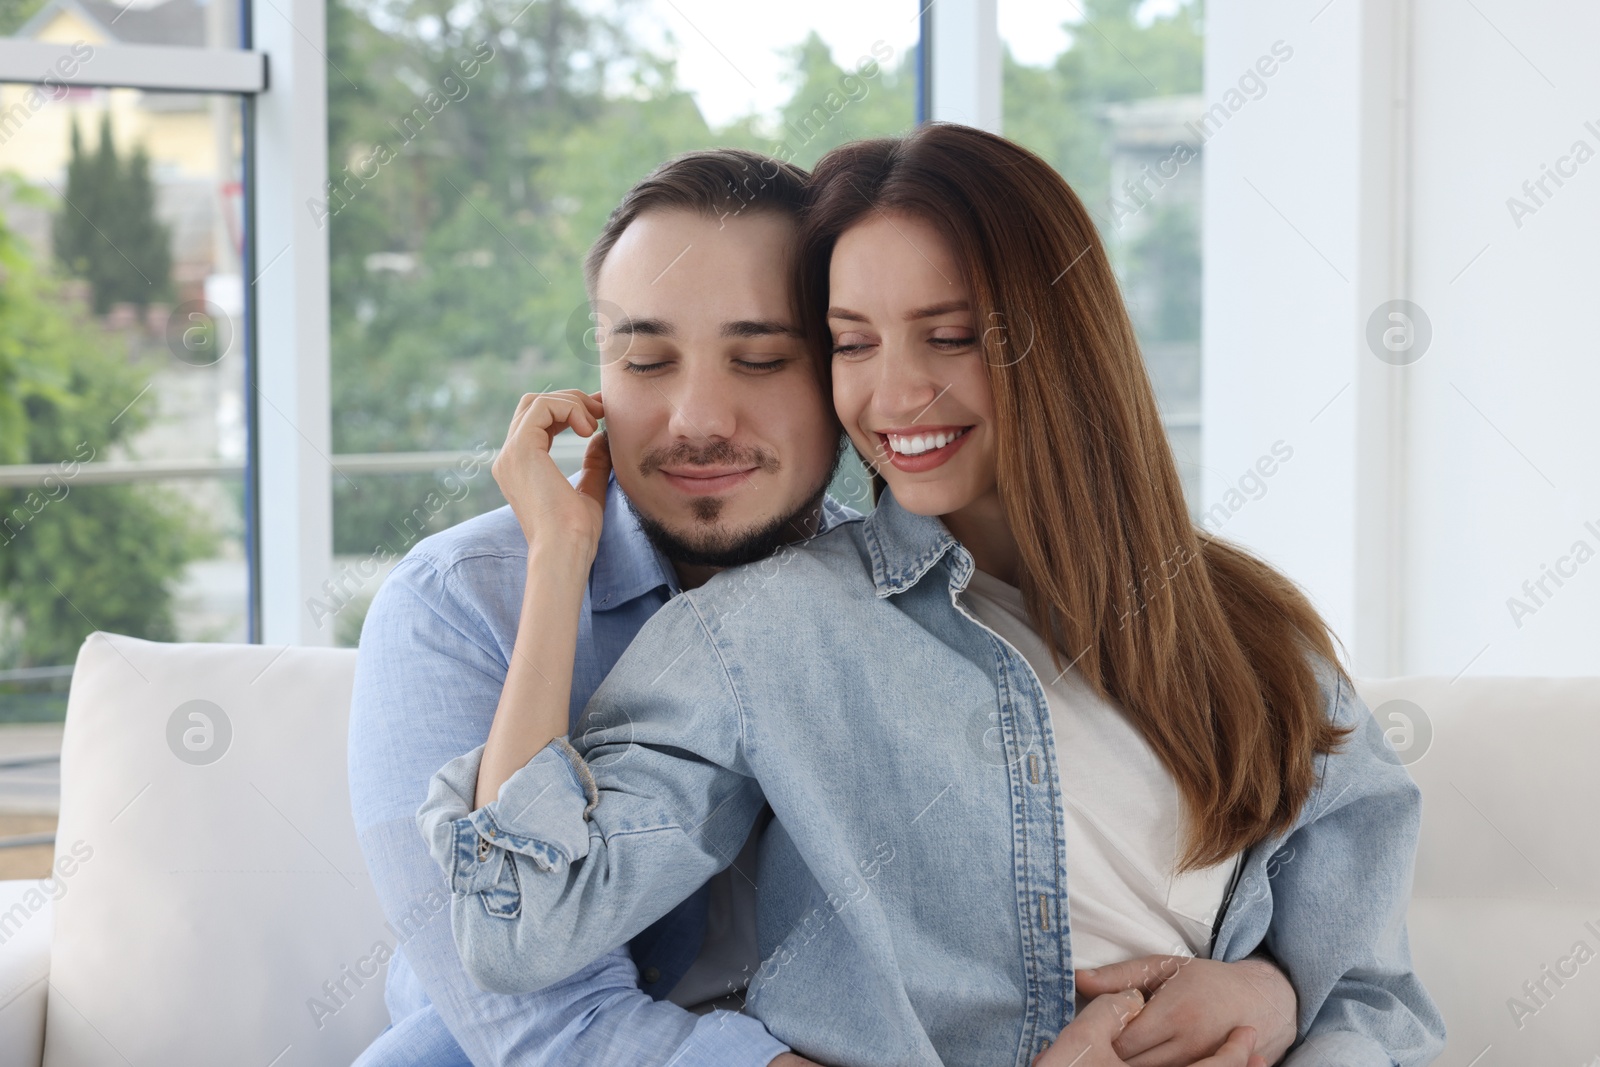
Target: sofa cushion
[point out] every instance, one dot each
(1505, 910)
(219, 910)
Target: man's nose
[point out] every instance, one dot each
(702, 407)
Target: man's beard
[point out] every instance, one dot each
(733, 548)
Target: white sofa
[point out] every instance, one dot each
(220, 913)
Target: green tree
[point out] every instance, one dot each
(871, 96)
(1059, 111)
(13, 13)
(75, 558)
(107, 231)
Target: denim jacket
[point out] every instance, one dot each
(912, 887)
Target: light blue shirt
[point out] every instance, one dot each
(434, 653)
(912, 905)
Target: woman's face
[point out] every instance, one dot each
(909, 382)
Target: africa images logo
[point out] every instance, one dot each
(199, 732)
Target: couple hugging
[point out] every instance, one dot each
(1022, 768)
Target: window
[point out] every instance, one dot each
(473, 163)
(122, 232)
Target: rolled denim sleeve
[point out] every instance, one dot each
(428, 678)
(577, 854)
(475, 847)
(1361, 1002)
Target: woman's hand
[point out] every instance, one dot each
(562, 525)
(1088, 1041)
(550, 511)
(1194, 1005)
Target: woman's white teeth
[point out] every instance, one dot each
(917, 444)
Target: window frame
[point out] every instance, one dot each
(285, 336)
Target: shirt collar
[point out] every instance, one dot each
(904, 546)
(627, 564)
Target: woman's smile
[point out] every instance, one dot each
(921, 448)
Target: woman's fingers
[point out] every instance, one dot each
(1169, 1053)
(596, 469)
(1146, 974)
(540, 416)
(1141, 1044)
(1086, 1041)
(1237, 1051)
(1106, 1016)
(556, 411)
(545, 503)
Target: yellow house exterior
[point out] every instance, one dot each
(193, 140)
(177, 131)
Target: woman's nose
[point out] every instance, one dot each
(906, 389)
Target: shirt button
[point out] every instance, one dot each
(652, 974)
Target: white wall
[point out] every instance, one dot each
(1418, 501)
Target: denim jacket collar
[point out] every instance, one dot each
(904, 546)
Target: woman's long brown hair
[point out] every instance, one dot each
(1207, 649)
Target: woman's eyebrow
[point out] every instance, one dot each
(938, 309)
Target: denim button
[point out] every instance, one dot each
(652, 974)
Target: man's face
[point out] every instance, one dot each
(720, 432)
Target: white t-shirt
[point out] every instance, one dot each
(1123, 813)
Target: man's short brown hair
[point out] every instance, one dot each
(717, 183)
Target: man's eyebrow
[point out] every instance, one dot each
(642, 327)
(758, 328)
(920, 313)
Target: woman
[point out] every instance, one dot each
(1024, 718)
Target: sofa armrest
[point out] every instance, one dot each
(25, 925)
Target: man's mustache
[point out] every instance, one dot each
(712, 454)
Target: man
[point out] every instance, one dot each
(719, 428)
